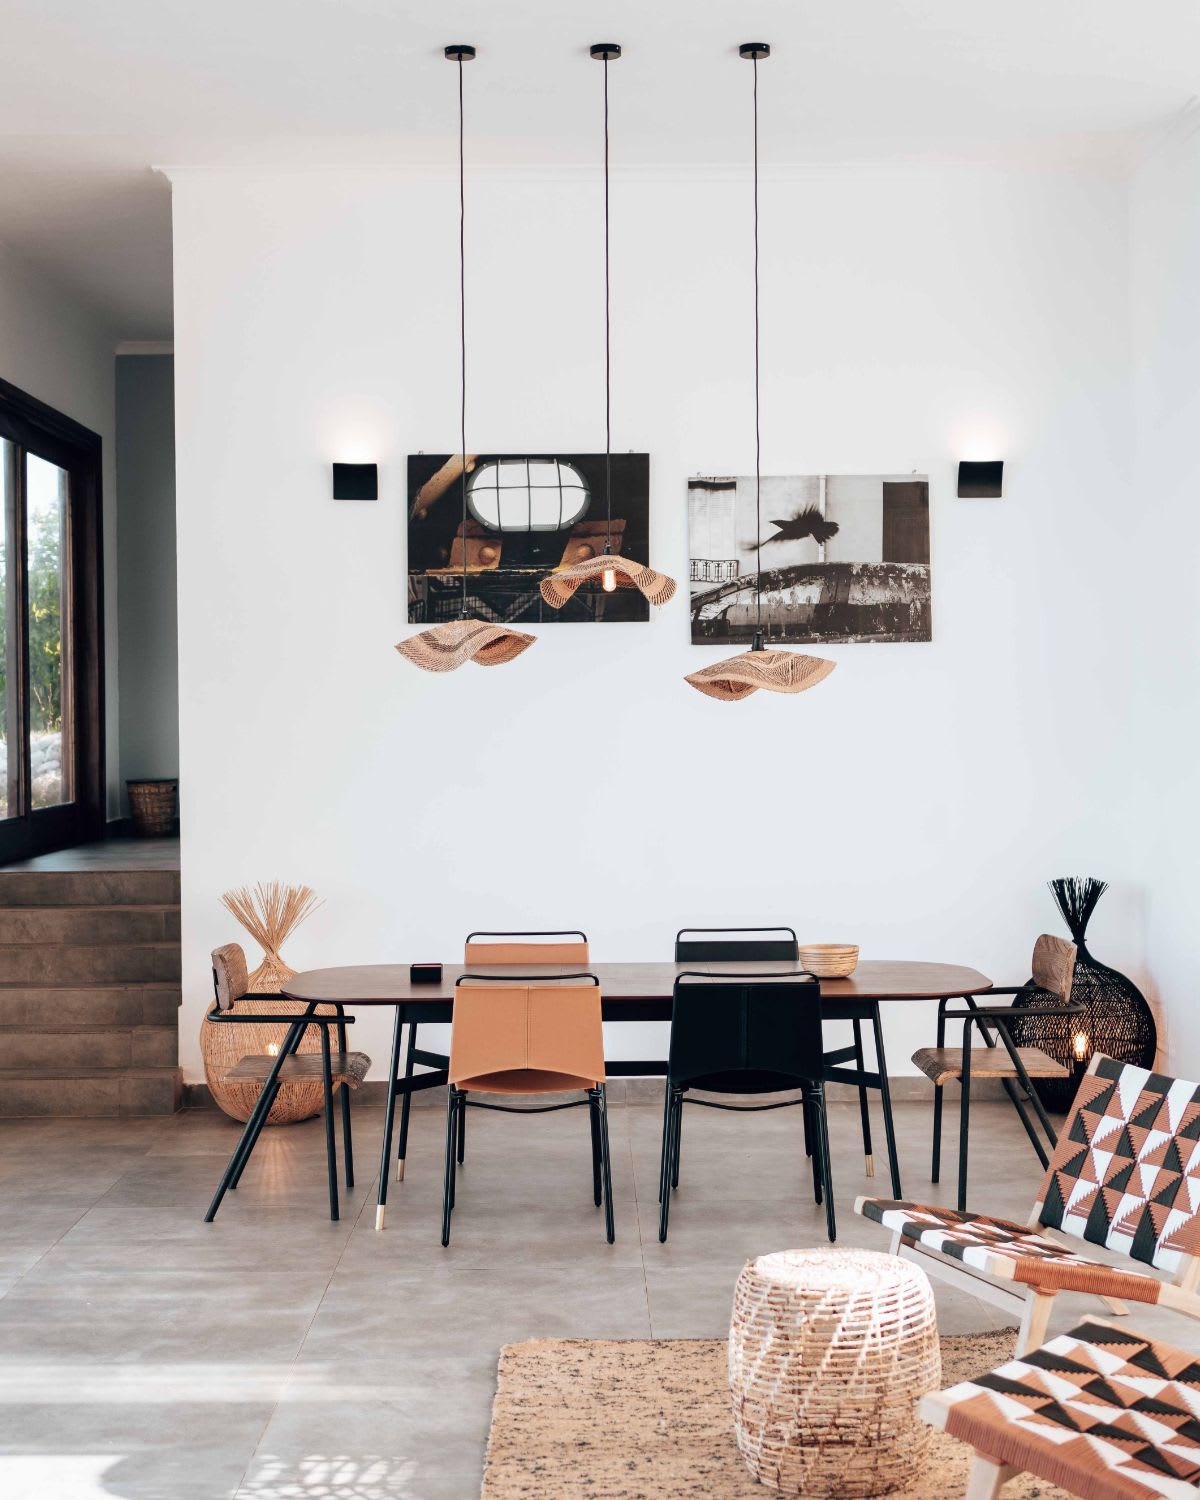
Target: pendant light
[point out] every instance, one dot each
(444, 647)
(609, 568)
(777, 671)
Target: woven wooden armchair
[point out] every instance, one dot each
(1125, 1175)
(267, 1073)
(1016, 1067)
(1103, 1413)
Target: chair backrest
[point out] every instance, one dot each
(526, 1025)
(1126, 1171)
(748, 1024)
(486, 948)
(230, 977)
(1054, 965)
(735, 944)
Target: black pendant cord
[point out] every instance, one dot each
(607, 341)
(462, 329)
(757, 646)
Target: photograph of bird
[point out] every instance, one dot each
(808, 522)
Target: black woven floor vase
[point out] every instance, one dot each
(1115, 1019)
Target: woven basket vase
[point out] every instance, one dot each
(222, 1046)
(829, 1353)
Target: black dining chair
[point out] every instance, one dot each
(771, 944)
(743, 1034)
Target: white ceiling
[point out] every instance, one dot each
(96, 94)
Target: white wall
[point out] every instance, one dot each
(1164, 525)
(149, 646)
(56, 348)
(915, 803)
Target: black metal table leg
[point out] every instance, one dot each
(254, 1123)
(385, 1160)
(330, 1143)
(964, 1118)
(406, 1102)
(885, 1097)
(863, 1107)
(347, 1139)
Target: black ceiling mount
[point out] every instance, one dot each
(755, 51)
(459, 52)
(605, 51)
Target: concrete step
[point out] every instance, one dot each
(92, 1047)
(89, 887)
(88, 964)
(146, 923)
(81, 1092)
(50, 1006)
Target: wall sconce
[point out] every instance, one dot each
(980, 481)
(356, 481)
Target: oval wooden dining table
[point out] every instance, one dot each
(630, 992)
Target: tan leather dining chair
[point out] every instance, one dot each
(485, 948)
(527, 1034)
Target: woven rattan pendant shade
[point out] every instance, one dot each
(559, 587)
(453, 643)
(774, 671)
(445, 647)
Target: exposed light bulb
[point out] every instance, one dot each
(609, 580)
(1079, 1045)
(272, 1049)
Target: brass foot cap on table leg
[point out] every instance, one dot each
(400, 1170)
(870, 1166)
(380, 1210)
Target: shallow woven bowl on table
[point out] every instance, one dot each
(829, 960)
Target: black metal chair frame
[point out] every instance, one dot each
(439, 1062)
(856, 1012)
(816, 1123)
(297, 1025)
(596, 1099)
(989, 1019)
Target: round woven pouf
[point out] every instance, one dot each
(829, 1353)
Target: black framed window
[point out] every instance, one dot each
(52, 790)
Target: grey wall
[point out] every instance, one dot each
(146, 595)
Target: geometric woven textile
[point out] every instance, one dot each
(1126, 1171)
(1106, 1414)
(1007, 1251)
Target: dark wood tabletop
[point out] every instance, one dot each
(873, 980)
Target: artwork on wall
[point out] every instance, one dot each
(527, 514)
(845, 557)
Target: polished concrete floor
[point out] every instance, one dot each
(274, 1354)
(108, 854)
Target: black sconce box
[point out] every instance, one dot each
(425, 973)
(356, 481)
(981, 481)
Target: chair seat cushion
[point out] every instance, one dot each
(525, 1081)
(944, 1064)
(1007, 1251)
(347, 1067)
(1102, 1412)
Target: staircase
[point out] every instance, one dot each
(89, 992)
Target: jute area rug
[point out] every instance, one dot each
(644, 1419)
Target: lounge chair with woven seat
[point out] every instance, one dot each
(1125, 1175)
(1101, 1412)
(516, 1034)
(1016, 1067)
(337, 1070)
(481, 950)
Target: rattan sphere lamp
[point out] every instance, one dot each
(776, 671)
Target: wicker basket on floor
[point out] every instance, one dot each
(830, 1352)
(269, 914)
(152, 807)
